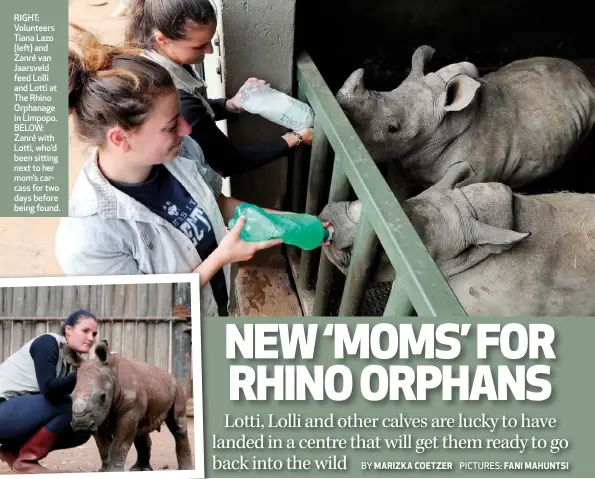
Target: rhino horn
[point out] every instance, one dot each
(353, 90)
(421, 56)
(494, 239)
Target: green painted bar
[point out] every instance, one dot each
(362, 257)
(297, 175)
(318, 165)
(398, 303)
(339, 191)
(314, 199)
(426, 287)
(323, 283)
(340, 187)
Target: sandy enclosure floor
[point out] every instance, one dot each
(86, 457)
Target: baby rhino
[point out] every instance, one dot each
(503, 254)
(512, 126)
(120, 401)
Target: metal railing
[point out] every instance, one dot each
(338, 152)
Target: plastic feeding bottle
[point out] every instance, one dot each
(302, 230)
(257, 98)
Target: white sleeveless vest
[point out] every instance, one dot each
(17, 373)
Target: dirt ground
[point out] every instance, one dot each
(86, 457)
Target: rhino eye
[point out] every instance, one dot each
(393, 128)
(102, 397)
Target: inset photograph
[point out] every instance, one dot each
(96, 374)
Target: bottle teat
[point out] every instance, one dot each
(328, 233)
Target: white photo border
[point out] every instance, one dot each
(194, 280)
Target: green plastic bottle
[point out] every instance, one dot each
(302, 230)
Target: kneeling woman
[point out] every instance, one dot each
(35, 404)
(146, 202)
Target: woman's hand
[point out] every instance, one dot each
(231, 250)
(233, 105)
(292, 140)
(306, 135)
(234, 248)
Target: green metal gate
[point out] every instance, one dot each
(338, 152)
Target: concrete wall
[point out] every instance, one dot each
(258, 40)
(342, 35)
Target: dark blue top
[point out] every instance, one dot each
(44, 351)
(165, 196)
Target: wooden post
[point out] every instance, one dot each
(182, 338)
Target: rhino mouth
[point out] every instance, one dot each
(85, 430)
(83, 425)
(339, 257)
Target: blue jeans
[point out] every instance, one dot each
(23, 416)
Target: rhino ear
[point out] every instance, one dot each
(460, 92)
(71, 356)
(102, 351)
(494, 239)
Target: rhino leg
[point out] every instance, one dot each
(122, 442)
(103, 443)
(177, 423)
(142, 444)
(456, 176)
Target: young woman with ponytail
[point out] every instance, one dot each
(145, 202)
(177, 34)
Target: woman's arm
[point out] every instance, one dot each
(227, 205)
(231, 250)
(232, 247)
(44, 351)
(219, 106)
(220, 153)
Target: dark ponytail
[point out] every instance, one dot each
(73, 319)
(170, 17)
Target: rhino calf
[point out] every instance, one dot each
(503, 254)
(513, 125)
(120, 401)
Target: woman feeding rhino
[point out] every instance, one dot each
(145, 202)
(177, 34)
(35, 403)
